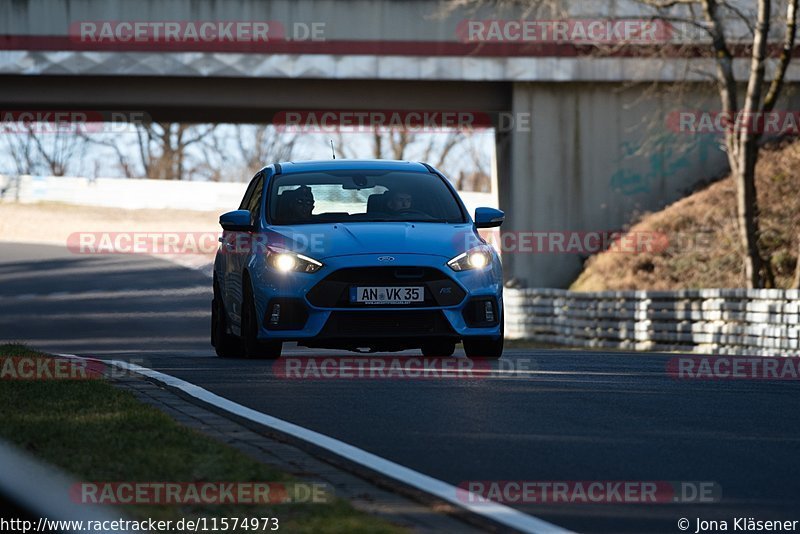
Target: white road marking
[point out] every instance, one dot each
(499, 513)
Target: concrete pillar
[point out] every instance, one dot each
(593, 156)
(504, 188)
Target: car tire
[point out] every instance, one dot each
(253, 348)
(485, 348)
(225, 344)
(439, 349)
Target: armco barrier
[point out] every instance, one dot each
(33, 490)
(763, 322)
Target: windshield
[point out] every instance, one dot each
(362, 196)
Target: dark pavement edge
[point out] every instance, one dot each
(366, 490)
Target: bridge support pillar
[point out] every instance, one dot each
(580, 158)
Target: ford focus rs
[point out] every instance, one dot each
(356, 255)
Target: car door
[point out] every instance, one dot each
(236, 251)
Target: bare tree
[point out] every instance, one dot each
(403, 144)
(715, 25)
(396, 142)
(234, 153)
(477, 176)
(263, 144)
(161, 151)
(163, 148)
(125, 162)
(21, 149)
(59, 150)
(46, 148)
(742, 135)
(452, 140)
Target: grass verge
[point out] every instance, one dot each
(99, 433)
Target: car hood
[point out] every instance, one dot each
(344, 239)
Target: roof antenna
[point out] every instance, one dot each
(332, 150)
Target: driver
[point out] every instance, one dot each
(299, 203)
(399, 201)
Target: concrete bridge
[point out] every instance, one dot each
(590, 143)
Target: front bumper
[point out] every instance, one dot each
(314, 309)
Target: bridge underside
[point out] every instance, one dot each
(246, 100)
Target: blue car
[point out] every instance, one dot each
(362, 255)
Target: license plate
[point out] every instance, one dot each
(386, 294)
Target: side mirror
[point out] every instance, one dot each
(488, 217)
(236, 221)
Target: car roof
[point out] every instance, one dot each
(293, 167)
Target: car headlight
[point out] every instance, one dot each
(285, 261)
(475, 258)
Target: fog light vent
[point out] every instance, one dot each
(488, 311)
(285, 313)
(481, 312)
(275, 317)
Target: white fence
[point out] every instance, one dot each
(762, 322)
(154, 194)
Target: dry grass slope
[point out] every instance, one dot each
(704, 250)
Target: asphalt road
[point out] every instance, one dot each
(553, 415)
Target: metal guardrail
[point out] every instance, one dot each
(36, 490)
(763, 322)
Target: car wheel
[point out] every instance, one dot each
(253, 348)
(486, 348)
(441, 349)
(225, 344)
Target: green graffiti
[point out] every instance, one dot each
(662, 162)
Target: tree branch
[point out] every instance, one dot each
(785, 58)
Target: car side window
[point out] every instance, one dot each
(255, 200)
(249, 193)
